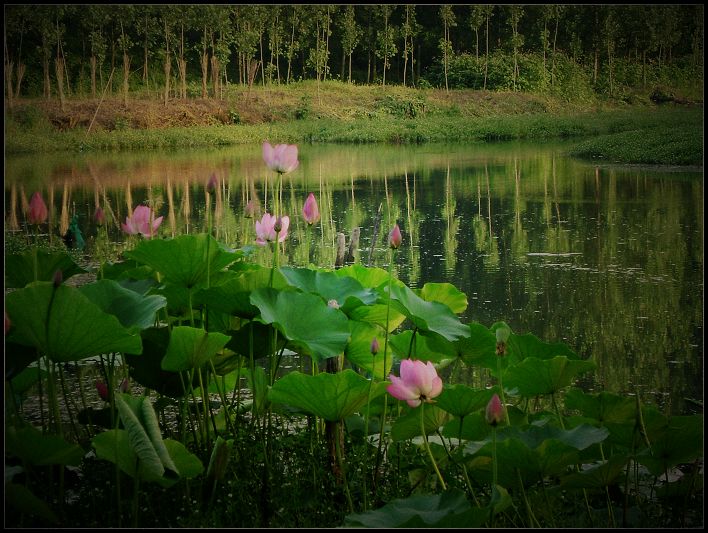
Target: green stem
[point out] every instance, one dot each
(383, 415)
(338, 449)
(494, 457)
(501, 390)
(427, 446)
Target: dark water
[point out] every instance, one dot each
(607, 259)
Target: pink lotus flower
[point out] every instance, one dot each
(102, 390)
(495, 411)
(37, 209)
(310, 211)
(265, 229)
(142, 222)
(99, 216)
(282, 158)
(419, 382)
(394, 237)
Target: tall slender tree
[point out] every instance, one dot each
(409, 30)
(448, 18)
(386, 44)
(351, 33)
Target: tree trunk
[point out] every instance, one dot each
(20, 74)
(126, 75)
(59, 71)
(205, 73)
(486, 54)
(47, 79)
(93, 76)
(9, 67)
(167, 69)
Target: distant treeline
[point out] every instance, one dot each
(181, 51)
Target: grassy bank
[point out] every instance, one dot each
(341, 113)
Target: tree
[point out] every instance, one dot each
(448, 19)
(385, 40)
(409, 30)
(516, 12)
(351, 33)
(477, 18)
(488, 12)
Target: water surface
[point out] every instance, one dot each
(607, 259)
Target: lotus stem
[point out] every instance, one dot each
(427, 446)
(340, 460)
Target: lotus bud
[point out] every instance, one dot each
(124, 385)
(502, 334)
(394, 237)
(37, 209)
(310, 211)
(58, 278)
(495, 411)
(102, 389)
(374, 346)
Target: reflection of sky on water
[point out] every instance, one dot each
(607, 260)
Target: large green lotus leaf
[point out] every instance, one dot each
(358, 350)
(17, 356)
(24, 501)
(131, 309)
(407, 426)
(445, 293)
(232, 295)
(191, 348)
(20, 268)
(519, 347)
(597, 476)
(30, 445)
(461, 400)
(479, 348)
(183, 260)
(140, 421)
(146, 368)
(379, 314)
(330, 396)
(451, 509)
(472, 427)
(534, 376)
(430, 317)
(425, 348)
(114, 446)
(64, 324)
(370, 277)
(346, 291)
(580, 437)
(679, 441)
(21, 382)
(188, 464)
(308, 323)
(605, 407)
(254, 338)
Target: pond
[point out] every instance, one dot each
(607, 259)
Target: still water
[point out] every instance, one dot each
(606, 259)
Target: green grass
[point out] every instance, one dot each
(342, 113)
